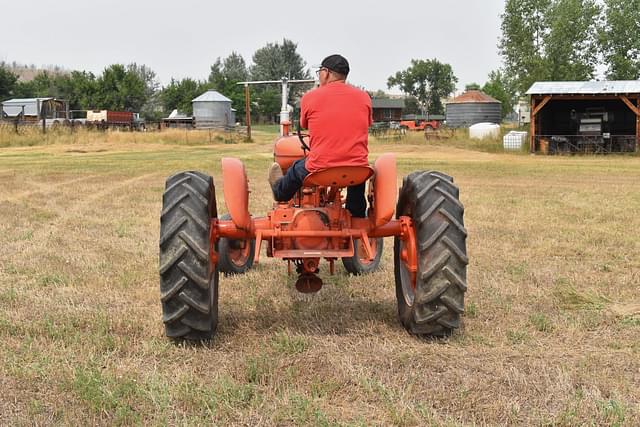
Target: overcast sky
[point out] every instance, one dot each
(182, 38)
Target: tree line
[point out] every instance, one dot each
(558, 40)
(135, 87)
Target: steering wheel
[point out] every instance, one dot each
(301, 137)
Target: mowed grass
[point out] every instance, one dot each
(551, 334)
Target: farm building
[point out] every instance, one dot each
(387, 109)
(587, 117)
(32, 109)
(212, 109)
(473, 106)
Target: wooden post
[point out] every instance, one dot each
(247, 110)
(532, 126)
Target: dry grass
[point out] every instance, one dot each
(551, 335)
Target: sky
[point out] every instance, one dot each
(183, 38)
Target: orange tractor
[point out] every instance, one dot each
(429, 239)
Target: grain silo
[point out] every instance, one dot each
(212, 109)
(473, 106)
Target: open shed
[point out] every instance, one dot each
(32, 109)
(585, 117)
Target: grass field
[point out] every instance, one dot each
(551, 334)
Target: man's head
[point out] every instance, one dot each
(333, 68)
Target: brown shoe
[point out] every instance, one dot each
(275, 173)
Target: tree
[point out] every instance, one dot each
(619, 38)
(8, 82)
(430, 81)
(150, 101)
(472, 86)
(549, 40)
(570, 45)
(224, 76)
(272, 62)
(121, 88)
(179, 94)
(524, 24)
(499, 88)
(79, 89)
(411, 105)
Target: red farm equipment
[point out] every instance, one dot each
(429, 239)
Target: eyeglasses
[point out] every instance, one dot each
(321, 69)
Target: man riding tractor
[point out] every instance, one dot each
(311, 220)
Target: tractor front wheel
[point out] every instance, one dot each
(358, 264)
(235, 256)
(188, 278)
(432, 303)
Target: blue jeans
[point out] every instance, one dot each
(291, 182)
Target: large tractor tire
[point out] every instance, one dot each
(188, 278)
(433, 305)
(235, 256)
(357, 264)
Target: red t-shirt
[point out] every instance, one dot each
(338, 117)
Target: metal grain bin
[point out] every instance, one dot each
(473, 106)
(212, 109)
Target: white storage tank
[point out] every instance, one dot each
(484, 130)
(514, 140)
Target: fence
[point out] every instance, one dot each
(594, 144)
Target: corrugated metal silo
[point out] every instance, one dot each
(212, 109)
(473, 106)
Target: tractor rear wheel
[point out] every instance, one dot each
(357, 264)
(235, 256)
(188, 278)
(432, 305)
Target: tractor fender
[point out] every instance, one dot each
(236, 192)
(385, 189)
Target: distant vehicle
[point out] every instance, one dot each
(420, 124)
(106, 119)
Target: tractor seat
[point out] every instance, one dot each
(338, 176)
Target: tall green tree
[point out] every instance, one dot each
(275, 60)
(524, 26)
(178, 94)
(8, 82)
(499, 88)
(121, 87)
(149, 103)
(571, 44)
(272, 62)
(619, 38)
(428, 80)
(224, 76)
(79, 89)
(549, 40)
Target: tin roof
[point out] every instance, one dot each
(473, 96)
(387, 103)
(585, 88)
(211, 95)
